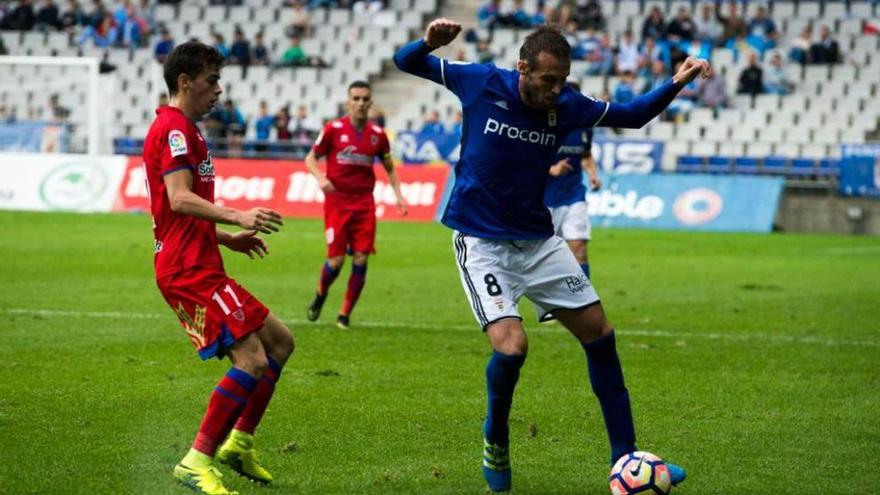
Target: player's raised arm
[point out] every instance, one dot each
(642, 109)
(183, 200)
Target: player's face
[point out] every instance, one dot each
(359, 101)
(204, 90)
(543, 83)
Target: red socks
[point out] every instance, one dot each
(224, 407)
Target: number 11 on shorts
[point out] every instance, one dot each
(219, 300)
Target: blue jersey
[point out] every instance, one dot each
(507, 148)
(569, 188)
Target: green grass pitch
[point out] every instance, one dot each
(752, 360)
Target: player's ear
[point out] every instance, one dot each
(522, 66)
(183, 82)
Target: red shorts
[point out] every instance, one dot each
(350, 228)
(213, 309)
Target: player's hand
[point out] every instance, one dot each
(595, 182)
(441, 32)
(690, 69)
(248, 243)
(402, 208)
(326, 185)
(262, 220)
(560, 168)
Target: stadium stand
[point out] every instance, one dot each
(796, 134)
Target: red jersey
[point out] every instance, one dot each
(350, 155)
(182, 241)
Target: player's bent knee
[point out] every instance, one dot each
(336, 262)
(359, 258)
(508, 336)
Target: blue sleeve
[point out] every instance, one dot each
(466, 80)
(641, 109)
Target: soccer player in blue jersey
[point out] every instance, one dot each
(566, 194)
(514, 122)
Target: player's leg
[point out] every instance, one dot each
(239, 449)
(362, 238)
(596, 335)
(225, 405)
(335, 232)
(577, 232)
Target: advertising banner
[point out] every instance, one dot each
(288, 187)
(686, 202)
(860, 170)
(620, 156)
(48, 182)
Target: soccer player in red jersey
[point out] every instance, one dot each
(350, 144)
(220, 316)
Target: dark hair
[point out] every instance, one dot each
(544, 39)
(190, 58)
(359, 84)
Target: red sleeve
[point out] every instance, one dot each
(384, 146)
(176, 148)
(325, 139)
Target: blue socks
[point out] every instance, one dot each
(606, 377)
(586, 269)
(502, 373)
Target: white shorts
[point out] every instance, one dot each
(495, 274)
(571, 222)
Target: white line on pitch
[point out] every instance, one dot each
(764, 337)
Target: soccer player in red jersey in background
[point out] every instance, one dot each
(350, 144)
(219, 315)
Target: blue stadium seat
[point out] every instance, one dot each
(689, 164)
(745, 165)
(829, 167)
(803, 166)
(775, 165)
(719, 165)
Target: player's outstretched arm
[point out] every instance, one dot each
(183, 200)
(642, 109)
(415, 57)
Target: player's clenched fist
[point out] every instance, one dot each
(441, 32)
(260, 219)
(690, 69)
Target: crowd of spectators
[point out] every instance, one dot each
(226, 124)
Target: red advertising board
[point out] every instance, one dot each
(288, 187)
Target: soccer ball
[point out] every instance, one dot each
(640, 472)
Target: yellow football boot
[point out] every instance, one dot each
(238, 453)
(202, 480)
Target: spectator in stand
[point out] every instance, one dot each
(131, 28)
(48, 17)
(519, 18)
(264, 122)
(300, 22)
(762, 31)
(708, 28)
(682, 27)
(751, 80)
(376, 115)
(234, 125)
(261, 53)
(628, 54)
(826, 50)
(589, 16)
(432, 123)
(302, 126)
(457, 123)
(240, 52)
(800, 46)
(657, 77)
(220, 45)
(776, 80)
(625, 91)
(654, 26)
(368, 7)
(294, 56)
(571, 35)
(734, 25)
(484, 53)
(712, 92)
(164, 45)
(282, 125)
(489, 13)
(58, 112)
(649, 54)
(602, 58)
(72, 16)
(95, 17)
(561, 15)
(103, 36)
(542, 13)
(22, 17)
